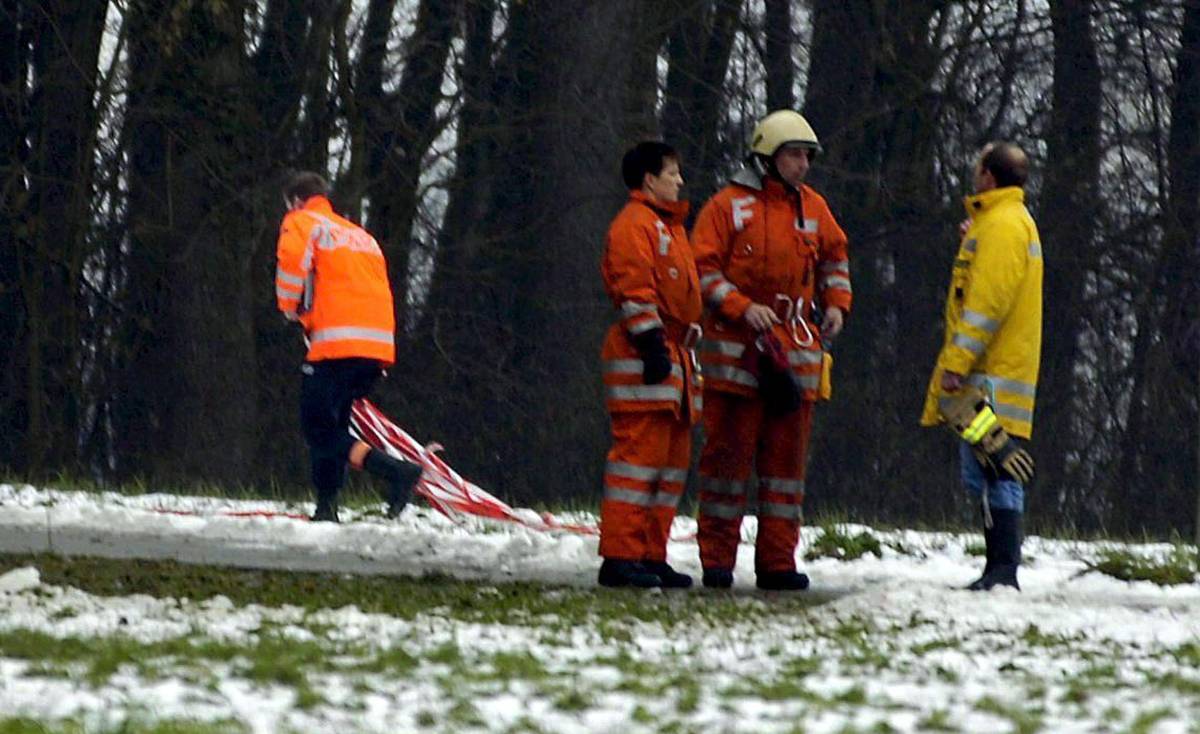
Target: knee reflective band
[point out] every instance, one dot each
(969, 415)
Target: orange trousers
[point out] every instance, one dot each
(741, 437)
(643, 481)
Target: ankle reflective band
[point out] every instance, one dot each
(980, 425)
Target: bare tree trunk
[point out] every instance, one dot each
(63, 130)
(779, 41)
(698, 49)
(1070, 212)
(187, 407)
(1150, 445)
(400, 127)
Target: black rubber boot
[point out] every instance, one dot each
(782, 581)
(400, 475)
(621, 572)
(327, 510)
(671, 579)
(989, 544)
(718, 578)
(1006, 553)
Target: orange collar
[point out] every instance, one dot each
(672, 211)
(318, 203)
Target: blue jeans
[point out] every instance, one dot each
(1003, 494)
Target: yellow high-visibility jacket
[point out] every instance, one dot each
(994, 310)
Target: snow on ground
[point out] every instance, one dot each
(898, 648)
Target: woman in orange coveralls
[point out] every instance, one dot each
(652, 385)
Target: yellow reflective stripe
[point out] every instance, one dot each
(983, 422)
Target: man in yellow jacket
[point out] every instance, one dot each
(993, 343)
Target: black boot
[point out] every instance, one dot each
(400, 475)
(782, 581)
(989, 544)
(718, 578)
(327, 510)
(1006, 553)
(621, 572)
(671, 579)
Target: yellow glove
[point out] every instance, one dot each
(970, 416)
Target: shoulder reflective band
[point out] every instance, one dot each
(980, 425)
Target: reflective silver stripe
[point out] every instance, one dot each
(1003, 383)
(632, 496)
(729, 373)
(731, 487)
(698, 404)
(648, 393)
(673, 475)
(969, 343)
(633, 308)
(644, 326)
(724, 512)
(784, 486)
(664, 499)
(837, 281)
(287, 295)
(773, 509)
(834, 265)
(285, 277)
(798, 357)
(631, 471)
(1014, 412)
(970, 245)
(1035, 249)
(711, 278)
(352, 332)
(976, 319)
(810, 225)
(634, 367)
(809, 382)
(723, 348)
(718, 294)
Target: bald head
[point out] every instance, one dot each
(1006, 163)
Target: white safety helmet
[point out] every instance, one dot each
(780, 128)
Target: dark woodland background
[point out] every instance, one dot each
(479, 140)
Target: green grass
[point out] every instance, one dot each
(1179, 566)
(834, 543)
(406, 597)
(129, 726)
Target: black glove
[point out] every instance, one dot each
(656, 360)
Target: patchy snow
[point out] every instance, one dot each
(899, 646)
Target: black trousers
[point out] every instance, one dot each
(327, 391)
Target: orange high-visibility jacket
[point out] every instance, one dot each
(332, 274)
(650, 275)
(757, 241)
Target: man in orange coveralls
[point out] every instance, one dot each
(766, 246)
(652, 385)
(332, 279)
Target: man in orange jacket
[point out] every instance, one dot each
(767, 248)
(331, 278)
(652, 384)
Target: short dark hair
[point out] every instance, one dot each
(304, 184)
(648, 156)
(1007, 163)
